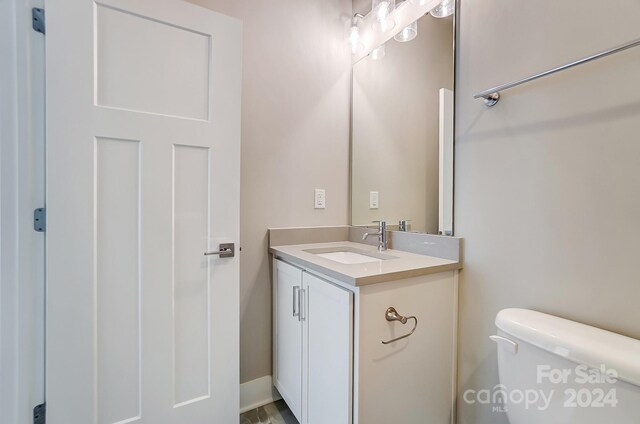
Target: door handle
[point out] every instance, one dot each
(296, 300)
(227, 250)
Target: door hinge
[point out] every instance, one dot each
(40, 220)
(37, 19)
(40, 414)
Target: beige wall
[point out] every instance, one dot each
(295, 137)
(547, 191)
(362, 6)
(395, 140)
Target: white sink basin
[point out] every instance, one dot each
(349, 255)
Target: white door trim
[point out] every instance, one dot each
(257, 393)
(21, 190)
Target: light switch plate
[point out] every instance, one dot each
(320, 199)
(374, 198)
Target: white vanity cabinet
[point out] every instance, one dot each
(288, 335)
(313, 321)
(329, 362)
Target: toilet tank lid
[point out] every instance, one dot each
(577, 342)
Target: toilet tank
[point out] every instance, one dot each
(553, 370)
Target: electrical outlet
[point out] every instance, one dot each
(374, 200)
(320, 199)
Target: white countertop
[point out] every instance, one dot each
(403, 265)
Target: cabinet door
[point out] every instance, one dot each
(287, 359)
(327, 317)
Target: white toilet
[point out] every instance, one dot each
(556, 371)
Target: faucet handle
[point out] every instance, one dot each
(403, 225)
(381, 223)
(382, 228)
(382, 235)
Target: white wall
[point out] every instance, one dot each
(295, 137)
(21, 191)
(547, 193)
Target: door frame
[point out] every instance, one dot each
(22, 189)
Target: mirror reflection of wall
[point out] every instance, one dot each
(395, 135)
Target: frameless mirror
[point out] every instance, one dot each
(402, 130)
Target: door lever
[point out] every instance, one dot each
(227, 250)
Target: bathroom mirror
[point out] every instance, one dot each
(402, 131)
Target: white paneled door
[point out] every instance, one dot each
(143, 177)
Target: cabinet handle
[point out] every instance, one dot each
(301, 310)
(296, 299)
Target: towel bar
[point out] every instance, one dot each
(392, 315)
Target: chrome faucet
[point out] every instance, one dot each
(382, 235)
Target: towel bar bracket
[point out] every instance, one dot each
(492, 99)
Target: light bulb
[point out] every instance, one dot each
(419, 2)
(378, 53)
(383, 13)
(444, 9)
(354, 40)
(408, 33)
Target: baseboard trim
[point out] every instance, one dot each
(257, 393)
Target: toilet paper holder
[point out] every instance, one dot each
(392, 314)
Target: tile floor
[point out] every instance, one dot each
(273, 413)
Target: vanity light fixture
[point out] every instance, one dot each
(383, 13)
(408, 33)
(355, 41)
(444, 9)
(378, 53)
(419, 2)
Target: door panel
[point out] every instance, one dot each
(328, 341)
(118, 279)
(288, 336)
(124, 64)
(143, 149)
(191, 274)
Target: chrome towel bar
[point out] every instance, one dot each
(492, 95)
(392, 315)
